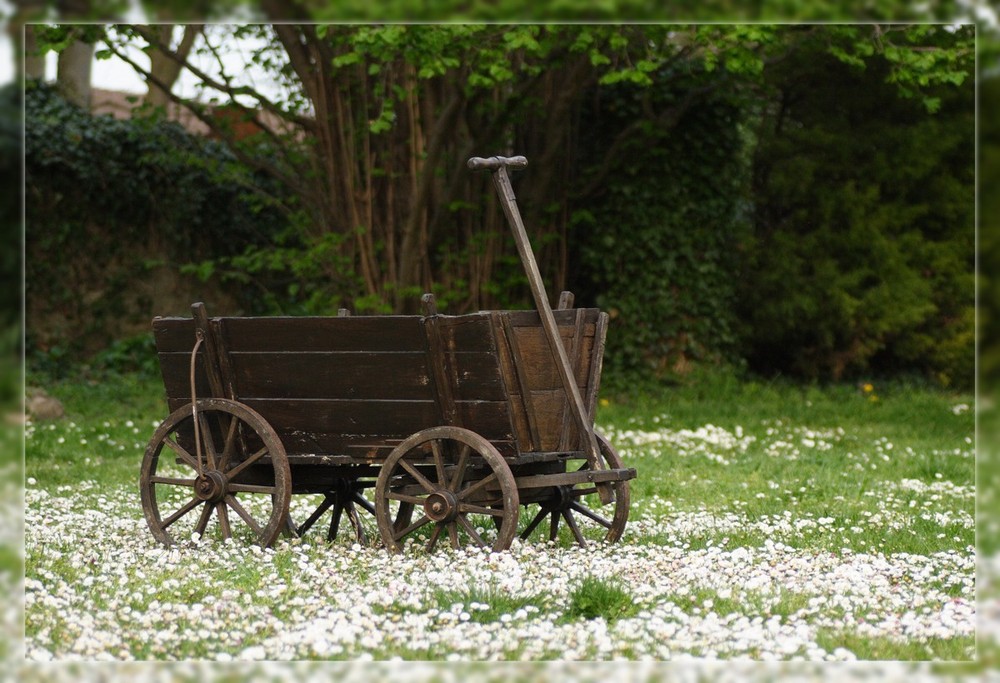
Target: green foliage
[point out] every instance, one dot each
(989, 233)
(629, 10)
(862, 257)
(10, 214)
(595, 598)
(487, 604)
(659, 245)
(833, 260)
(112, 205)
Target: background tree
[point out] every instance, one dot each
(656, 167)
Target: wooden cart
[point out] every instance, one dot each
(441, 427)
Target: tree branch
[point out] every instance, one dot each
(301, 121)
(289, 180)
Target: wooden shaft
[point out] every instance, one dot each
(563, 367)
(211, 353)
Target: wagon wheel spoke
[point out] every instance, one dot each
(230, 445)
(206, 513)
(208, 440)
(182, 453)
(453, 535)
(236, 471)
(355, 519)
(481, 484)
(580, 493)
(338, 511)
(404, 515)
(571, 523)
(554, 527)
(606, 523)
(424, 519)
(172, 481)
(421, 479)
(223, 512)
(317, 513)
(542, 512)
(434, 537)
(183, 510)
(363, 502)
(463, 459)
(469, 529)
(241, 511)
(403, 498)
(438, 462)
(480, 510)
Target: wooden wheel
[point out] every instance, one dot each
(345, 497)
(455, 481)
(242, 478)
(575, 504)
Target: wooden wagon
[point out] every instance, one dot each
(441, 427)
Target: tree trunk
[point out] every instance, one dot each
(166, 68)
(73, 75)
(22, 36)
(34, 63)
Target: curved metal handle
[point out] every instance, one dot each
(493, 163)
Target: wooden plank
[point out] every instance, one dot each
(347, 375)
(358, 417)
(530, 438)
(596, 365)
(572, 478)
(352, 333)
(173, 334)
(175, 368)
(222, 354)
(565, 319)
(549, 408)
(468, 333)
(577, 358)
(441, 377)
(477, 376)
(339, 375)
(538, 364)
(381, 418)
(313, 333)
(508, 378)
(210, 359)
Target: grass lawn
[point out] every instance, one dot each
(768, 521)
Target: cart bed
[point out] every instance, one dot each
(348, 389)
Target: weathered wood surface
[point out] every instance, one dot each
(575, 406)
(354, 386)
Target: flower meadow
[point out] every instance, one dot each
(808, 529)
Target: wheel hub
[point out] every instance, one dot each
(211, 486)
(441, 506)
(561, 498)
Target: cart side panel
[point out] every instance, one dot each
(351, 386)
(175, 338)
(466, 366)
(539, 405)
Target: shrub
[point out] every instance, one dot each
(862, 256)
(115, 208)
(659, 245)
